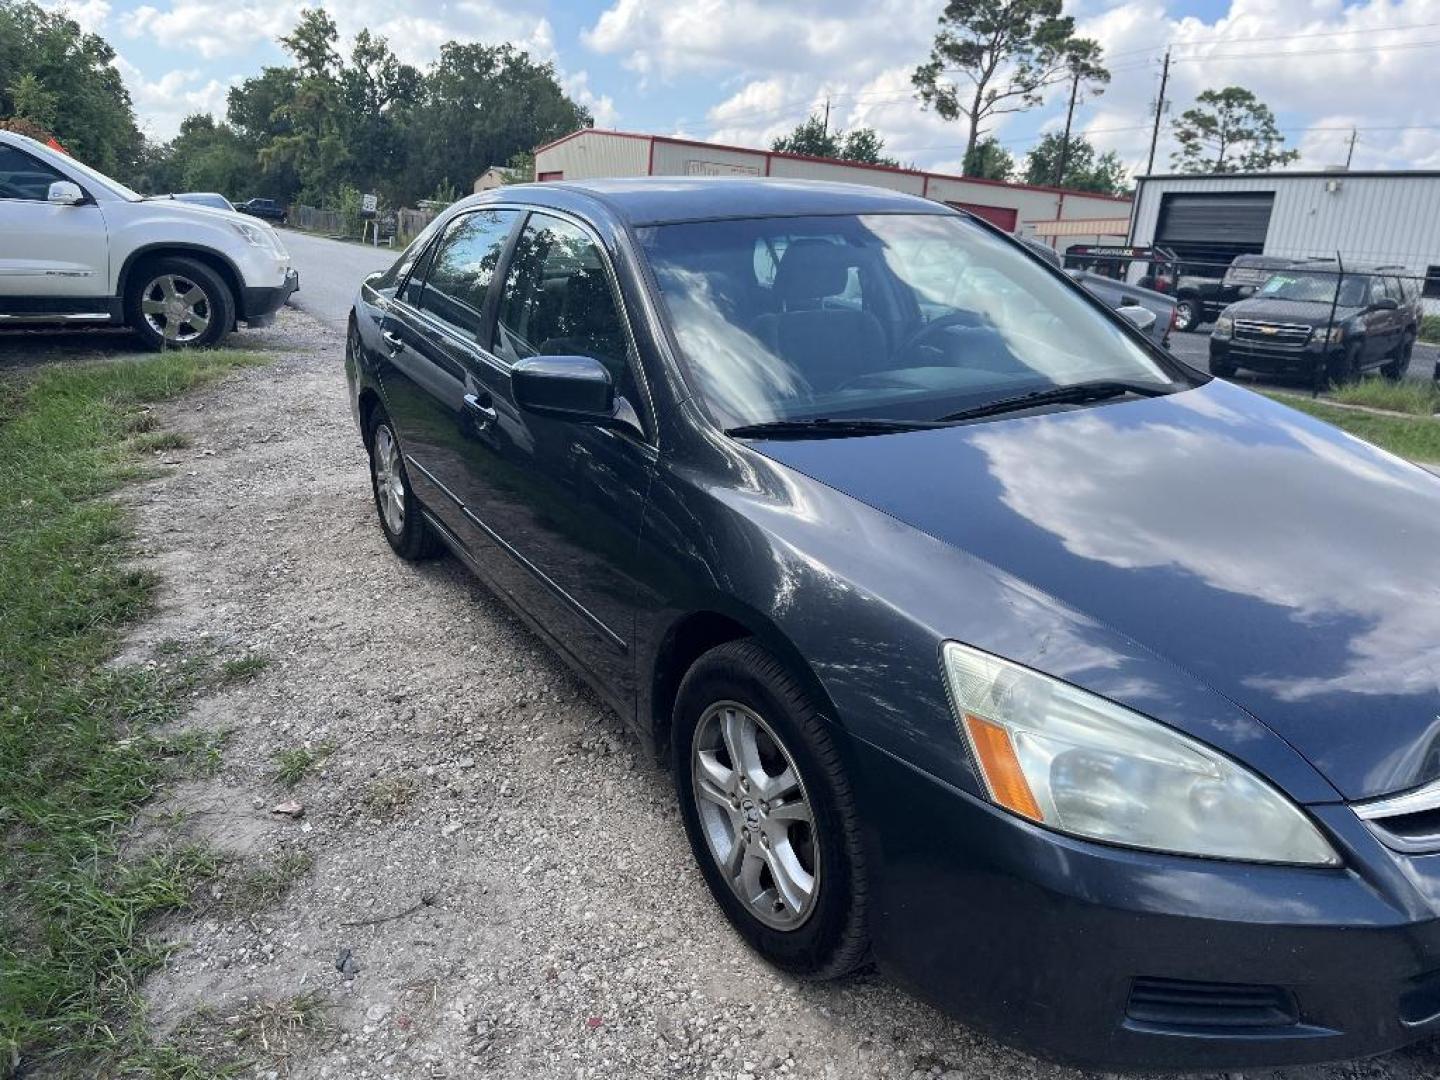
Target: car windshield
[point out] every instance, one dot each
(887, 316)
(1315, 286)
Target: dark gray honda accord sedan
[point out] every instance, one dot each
(1096, 700)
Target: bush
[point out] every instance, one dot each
(1430, 329)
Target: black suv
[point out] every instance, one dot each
(1200, 298)
(268, 209)
(1300, 323)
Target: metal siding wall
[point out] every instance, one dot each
(1087, 206)
(594, 154)
(1030, 205)
(909, 183)
(1373, 219)
(673, 159)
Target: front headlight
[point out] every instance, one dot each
(254, 235)
(1224, 325)
(1080, 764)
(1335, 335)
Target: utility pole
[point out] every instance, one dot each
(1065, 142)
(1350, 154)
(1159, 109)
(827, 116)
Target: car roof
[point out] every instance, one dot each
(655, 200)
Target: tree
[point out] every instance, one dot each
(1009, 52)
(988, 160)
(814, 138)
(64, 80)
(520, 169)
(1084, 169)
(1229, 130)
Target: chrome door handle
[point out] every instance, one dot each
(481, 411)
(394, 340)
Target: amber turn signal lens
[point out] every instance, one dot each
(1003, 774)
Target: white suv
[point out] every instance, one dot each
(78, 247)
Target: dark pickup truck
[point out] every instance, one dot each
(1200, 298)
(268, 209)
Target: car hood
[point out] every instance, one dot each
(1292, 568)
(1310, 312)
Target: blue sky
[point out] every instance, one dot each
(744, 70)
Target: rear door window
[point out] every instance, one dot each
(459, 276)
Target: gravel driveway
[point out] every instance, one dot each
(502, 871)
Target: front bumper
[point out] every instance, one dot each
(1056, 945)
(1274, 360)
(258, 305)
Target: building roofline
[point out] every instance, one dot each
(1300, 174)
(678, 141)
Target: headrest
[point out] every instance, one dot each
(812, 268)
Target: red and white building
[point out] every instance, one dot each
(1056, 215)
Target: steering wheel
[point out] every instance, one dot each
(918, 336)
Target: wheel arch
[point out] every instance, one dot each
(216, 261)
(691, 635)
(367, 402)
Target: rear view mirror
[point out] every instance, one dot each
(1385, 303)
(65, 193)
(1140, 318)
(574, 388)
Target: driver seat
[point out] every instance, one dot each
(826, 346)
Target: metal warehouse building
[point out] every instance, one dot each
(1057, 215)
(1379, 218)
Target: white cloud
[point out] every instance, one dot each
(90, 14)
(601, 106)
(775, 61)
(164, 102)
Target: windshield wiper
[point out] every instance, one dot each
(1076, 393)
(825, 427)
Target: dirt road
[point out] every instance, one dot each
(488, 879)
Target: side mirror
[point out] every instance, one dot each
(1140, 318)
(65, 193)
(1385, 303)
(574, 388)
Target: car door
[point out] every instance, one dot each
(49, 253)
(435, 330)
(564, 500)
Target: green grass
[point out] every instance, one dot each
(242, 669)
(154, 441)
(1416, 438)
(1409, 396)
(78, 750)
(1430, 329)
(292, 765)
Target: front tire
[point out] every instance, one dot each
(769, 812)
(401, 518)
(1346, 368)
(178, 303)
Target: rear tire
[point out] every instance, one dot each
(1399, 363)
(401, 517)
(783, 817)
(1187, 315)
(178, 303)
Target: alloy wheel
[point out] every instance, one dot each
(755, 814)
(176, 308)
(389, 480)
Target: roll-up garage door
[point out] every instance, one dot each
(1002, 216)
(1214, 228)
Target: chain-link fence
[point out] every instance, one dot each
(1323, 318)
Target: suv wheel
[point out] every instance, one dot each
(1187, 315)
(178, 303)
(1345, 368)
(401, 519)
(1399, 362)
(769, 811)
